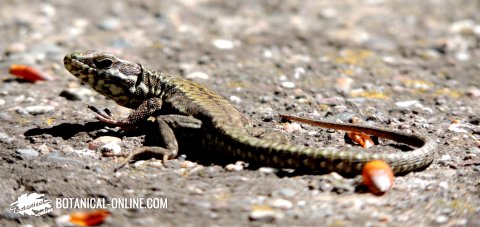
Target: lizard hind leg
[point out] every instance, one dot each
(167, 139)
(181, 121)
(270, 135)
(152, 151)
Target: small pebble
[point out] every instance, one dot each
(462, 56)
(55, 156)
(2, 102)
(292, 127)
(264, 213)
(460, 128)
(44, 149)
(312, 133)
(340, 108)
(27, 153)
(99, 143)
(156, 163)
(19, 98)
(48, 10)
(198, 75)
(267, 54)
(462, 27)
(77, 94)
(223, 44)
(80, 22)
(429, 54)
(385, 218)
(458, 222)
(78, 27)
(389, 60)
(107, 139)
(405, 104)
(38, 110)
(476, 30)
(473, 150)
(329, 13)
(268, 170)
(473, 92)
(341, 117)
(4, 138)
(188, 164)
(299, 71)
(110, 24)
(85, 152)
(235, 99)
(414, 104)
(441, 219)
(26, 225)
(16, 48)
(355, 35)
(238, 166)
(139, 163)
(63, 220)
(445, 157)
(336, 176)
(196, 169)
(287, 192)
(330, 100)
(288, 84)
(194, 189)
(420, 183)
(281, 204)
(343, 84)
(111, 149)
(443, 185)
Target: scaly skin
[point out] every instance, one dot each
(179, 103)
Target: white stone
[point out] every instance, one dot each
(282, 204)
(113, 148)
(198, 75)
(288, 84)
(235, 99)
(223, 44)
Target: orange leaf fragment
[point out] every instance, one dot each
(28, 73)
(361, 138)
(377, 176)
(89, 218)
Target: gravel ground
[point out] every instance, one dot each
(404, 65)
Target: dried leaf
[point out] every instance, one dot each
(378, 177)
(89, 218)
(28, 73)
(361, 138)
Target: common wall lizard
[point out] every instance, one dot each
(176, 102)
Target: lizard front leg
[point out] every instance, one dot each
(166, 137)
(141, 113)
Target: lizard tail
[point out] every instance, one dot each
(243, 146)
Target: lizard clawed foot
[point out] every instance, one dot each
(104, 115)
(164, 153)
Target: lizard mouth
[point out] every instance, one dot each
(77, 64)
(79, 68)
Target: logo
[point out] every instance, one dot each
(33, 204)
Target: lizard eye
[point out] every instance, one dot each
(103, 63)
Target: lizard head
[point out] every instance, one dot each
(108, 75)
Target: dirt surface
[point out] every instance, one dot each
(403, 65)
